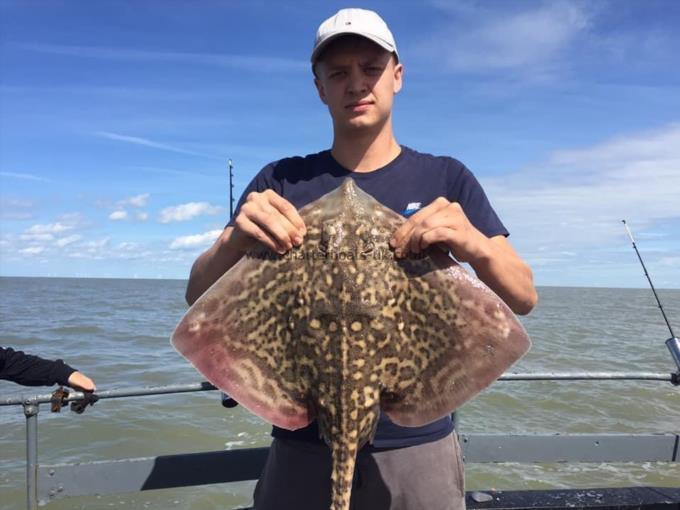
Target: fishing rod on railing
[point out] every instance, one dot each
(226, 400)
(672, 343)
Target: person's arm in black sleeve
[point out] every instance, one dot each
(28, 370)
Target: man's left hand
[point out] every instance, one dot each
(441, 222)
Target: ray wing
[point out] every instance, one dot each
(454, 338)
(239, 335)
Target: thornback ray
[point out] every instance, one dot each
(339, 330)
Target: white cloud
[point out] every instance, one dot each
(72, 220)
(672, 261)
(118, 215)
(44, 232)
(187, 211)
(149, 143)
(479, 39)
(195, 240)
(39, 237)
(25, 177)
(577, 198)
(13, 202)
(660, 145)
(98, 249)
(49, 228)
(15, 209)
(256, 63)
(127, 246)
(65, 241)
(32, 250)
(128, 250)
(137, 200)
(99, 243)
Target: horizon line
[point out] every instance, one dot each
(186, 279)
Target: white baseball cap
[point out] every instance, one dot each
(354, 22)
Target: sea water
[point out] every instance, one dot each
(117, 332)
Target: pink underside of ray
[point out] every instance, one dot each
(214, 361)
(406, 419)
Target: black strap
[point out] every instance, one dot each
(89, 399)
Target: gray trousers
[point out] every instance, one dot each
(423, 477)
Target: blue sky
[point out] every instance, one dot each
(117, 119)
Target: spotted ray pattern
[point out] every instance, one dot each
(339, 330)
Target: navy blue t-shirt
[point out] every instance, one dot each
(409, 182)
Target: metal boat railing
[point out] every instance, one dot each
(47, 483)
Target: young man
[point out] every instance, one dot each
(357, 74)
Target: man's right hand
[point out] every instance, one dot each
(264, 217)
(270, 219)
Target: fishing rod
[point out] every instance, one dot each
(231, 189)
(672, 343)
(227, 401)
